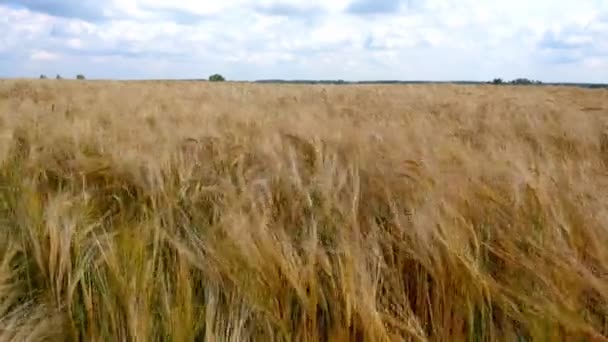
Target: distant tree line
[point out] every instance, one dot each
(496, 81)
(58, 77)
(517, 81)
(212, 78)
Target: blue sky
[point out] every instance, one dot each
(550, 40)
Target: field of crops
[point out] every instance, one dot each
(185, 211)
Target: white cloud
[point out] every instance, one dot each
(42, 56)
(246, 39)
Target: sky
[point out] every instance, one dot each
(438, 40)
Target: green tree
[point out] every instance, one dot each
(216, 78)
(43, 77)
(80, 77)
(521, 81)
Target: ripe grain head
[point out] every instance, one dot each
(149, 210)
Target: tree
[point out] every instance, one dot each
(80, 77)
(216, 78)
(497, 81)
(58, 77)
(521, 81)
(43, 77)
(525, 81)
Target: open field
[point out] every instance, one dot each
(184, 211)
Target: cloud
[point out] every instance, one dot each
(345, 39)
(567, 41)
(42, 55)
(579, 42)
(81, 9)
(364, 7)
(564, 58)
(288, 10)
(165, 12)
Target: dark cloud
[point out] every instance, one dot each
(364, 7)
(287, 10)
(570, 45)
(564, 41)
(89, 10)
(564, 59)
(93, 11)
(560, 56)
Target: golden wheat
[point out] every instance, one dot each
(184, 211)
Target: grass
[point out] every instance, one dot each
(146, 211)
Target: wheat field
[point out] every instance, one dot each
(185, 211)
